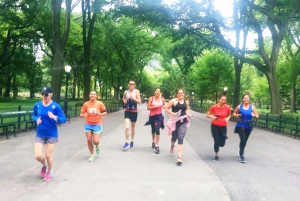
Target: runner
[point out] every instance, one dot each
(245, 112)
(178, 122)
(47, 114)
(93, 110)
(156, 119)
(220, 115)
(130, 98)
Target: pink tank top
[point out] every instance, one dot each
(156, 110)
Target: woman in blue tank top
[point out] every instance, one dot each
(245, 112)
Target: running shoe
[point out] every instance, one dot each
(157, 150)
(43, 171)
(126, 145)
(172, 149)
(179, 161)
(242, 159)
(153, 145)
(91, 158)
(48, 176)
(216, 159)
(131, 144)
(98, 150)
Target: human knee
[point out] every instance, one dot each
(39, 157)
(96, 141)
(48, 155)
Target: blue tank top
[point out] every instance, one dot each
(246, 117)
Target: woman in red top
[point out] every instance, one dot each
(220, 115)
(93, 110)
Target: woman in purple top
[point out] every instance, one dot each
(46, 113)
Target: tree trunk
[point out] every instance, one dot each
(59, 44)
(7, 86)
(15, 89)
(237, 82)
(276, 106)
(87, 41)
(293, 99)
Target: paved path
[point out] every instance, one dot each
(272, 171)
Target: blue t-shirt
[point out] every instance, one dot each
(48, 127)
(246, 116)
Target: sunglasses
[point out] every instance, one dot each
(45, 94)
(131, 84)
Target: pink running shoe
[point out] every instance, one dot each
(43, 171)
(48, 176)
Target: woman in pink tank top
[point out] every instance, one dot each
(155, 105)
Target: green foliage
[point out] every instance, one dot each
(210, 74)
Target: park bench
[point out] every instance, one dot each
(269, 120)
(263, 119)
(282, 124)
(13, 120)
(294, 126)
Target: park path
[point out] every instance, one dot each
(135, 174)
(272, 171)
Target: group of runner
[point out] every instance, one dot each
(47, 113)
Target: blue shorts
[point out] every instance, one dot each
(97, 129)
(46, 140)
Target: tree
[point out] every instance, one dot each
(211, 73)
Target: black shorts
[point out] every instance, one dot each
(131, 115)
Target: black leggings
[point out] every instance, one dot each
(156, 128)
(218, 133)
(244, 135)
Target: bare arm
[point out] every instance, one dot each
(210, 115)
(124, 98)
(254, 111)
(235, 113)
(138, 97)
(169, 105)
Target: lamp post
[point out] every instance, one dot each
(225, 90)
(192, 97)
(67, 70)
(120, 92)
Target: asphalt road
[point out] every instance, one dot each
(272, 170)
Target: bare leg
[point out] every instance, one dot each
(49, 157)
(132, 130)
(180, 148)
(153, 137)
(38, 152)
(127, 123)
(96, 139)
(89, 138)
(157, 138)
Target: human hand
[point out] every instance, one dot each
(39, 121)
(52, 116)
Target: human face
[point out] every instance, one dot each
(93, 95)
(157, 92)
(46, 97)
(131, 85)
(246, 99)
(180, 94)
(222, 100)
